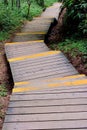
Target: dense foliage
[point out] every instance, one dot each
(14, 12)
(74, 29)
(76, 17)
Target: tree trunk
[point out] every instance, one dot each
(12, 2)
(6, 2)
(29, 4)
(18, 3)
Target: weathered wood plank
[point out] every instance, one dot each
(46, 90)
(39, 62)
(43, 67)
(46, 117)
(75, 124)
(47, 109)
(26, 52)
(41, 71)
(49, 102)
(49, 96)
(40, 74)
(41, 59)
(28, 38)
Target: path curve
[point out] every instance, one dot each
(48, 91)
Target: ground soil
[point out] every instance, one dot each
(4, 79)
(56, 35)
(79, 62)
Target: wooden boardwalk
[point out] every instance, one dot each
(48, 91)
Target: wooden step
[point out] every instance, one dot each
(48, 93)
(39, 66)
(23, 49)
(28, 37)
(43, 85)
(65, 124)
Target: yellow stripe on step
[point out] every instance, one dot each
(67, 77)
(36, 41)
(20, 83)
(24, 89)
(34, 56)
(27, 33)
(65, 84)
(45, 18)
(73, 83)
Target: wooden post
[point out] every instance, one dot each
(29, 4)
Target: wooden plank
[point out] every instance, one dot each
(28, 37)
(44, 54)
(53, 102)
(49, 96)
(26, 63)
(66, 78)
(46, 62)
(39, 62)
(23, 43)
(47, 109)
(75, 124)
(36, 72)
(26, 52)
(42, 59)
(46, 117)
(35, 67)
(61, 89)
(32, 29)
(19, 47)
(22, 48)
(50, 74)
(51, 80)
(42, 90)
(31, 33)
(41, 74)
(38, 67)
(43, 19)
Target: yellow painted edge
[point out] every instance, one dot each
(26, 33)
(24, 89)
(73, 83)
(34, 56)
(44, 17)
(20, 83)
(36, 41)
(67, 77)
(77, 82)
(47, 19)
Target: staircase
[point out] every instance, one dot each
(48, 92)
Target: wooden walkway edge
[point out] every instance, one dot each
(48, 93)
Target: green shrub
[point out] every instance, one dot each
(3, 90)
(49, 2)
(9, 19)
(76, 17)
(72, 46)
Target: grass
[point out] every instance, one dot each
(72, 46)
(35, 10)
(3, 91)
(4, 35)
(50, 2)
